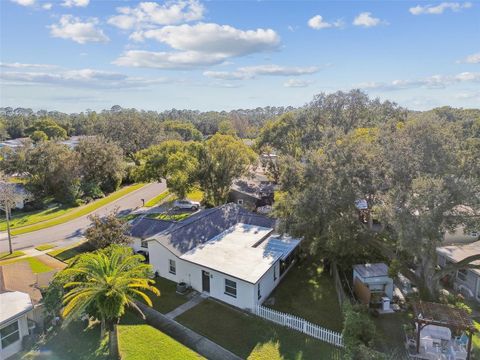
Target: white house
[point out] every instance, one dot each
(226, 252)
(466, 281)
(14, 308)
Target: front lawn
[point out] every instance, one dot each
(476, 340)
(308, 291)
(139, 341)
(74, 342)
(170, 217)
(37, 220)
(251, 337)
(35, 264)
(67, 254)
(168, 299)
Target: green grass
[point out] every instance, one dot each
(139, 341)
(308, 292)
(251, 337)
(67, 254)
(168, 299)
(37, 220)
(7, 255)
(476, 340)
(171, 217)
(36, 265)
(157, 199)
(390, 336)
(44, 247)
(75, 342)
(129, 216)
(195, 195)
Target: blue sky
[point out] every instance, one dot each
(73, 55)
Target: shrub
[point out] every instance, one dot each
(358, 332)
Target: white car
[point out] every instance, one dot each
(186, 204)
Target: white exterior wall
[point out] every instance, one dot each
(16, 346)
(192, 274)
(267, 283)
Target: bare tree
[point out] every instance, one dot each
(10, 195)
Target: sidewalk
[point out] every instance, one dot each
(194, 301)
(187, 337)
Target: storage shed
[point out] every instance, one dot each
(372, 283)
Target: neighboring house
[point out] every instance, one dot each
(143, 228)
(226, 252)
(20, 308)
(254, 191)
(460, 236)
(466, 281)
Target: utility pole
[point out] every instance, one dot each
(9, 195)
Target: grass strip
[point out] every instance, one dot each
(157, 199)
(44, 247)
(7, 255)
(74, 213)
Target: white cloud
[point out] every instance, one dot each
(83, 78)
(47, 6)
(471, 59)
(297, 83)
(198, 45)
(17, 65)
(167, 60)
(439, 9)
(148, 14)
(75, 3)
(432, 82)
(250, 72)
(74, 29)
(317, 22)
(366, 19)
(24, 2)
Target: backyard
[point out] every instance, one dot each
(251, 337)
(308, 291)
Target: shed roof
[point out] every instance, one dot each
(371, 270)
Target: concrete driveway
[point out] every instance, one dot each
(72, 231)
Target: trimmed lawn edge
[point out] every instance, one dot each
(78, 212)
(13, 255)
(44, 247)
(157, 199)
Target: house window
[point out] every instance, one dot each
(144, 244)
(9, 334)
(462, 274)
(172, 267)
(231, 288)
(240, 201)
(274, 272)
(258, 292)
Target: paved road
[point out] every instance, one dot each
(72, 231)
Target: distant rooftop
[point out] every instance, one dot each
(371, 270)
(242, 251)
(457, 253)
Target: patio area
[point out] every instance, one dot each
(441, 332)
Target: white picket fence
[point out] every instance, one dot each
(299, 324)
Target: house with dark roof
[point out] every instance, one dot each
(226, 252)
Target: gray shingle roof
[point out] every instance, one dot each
(206, 224)
(145, 227)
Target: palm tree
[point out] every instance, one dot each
(105, 283)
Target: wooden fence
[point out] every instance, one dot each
(299, 324)
(338, 284)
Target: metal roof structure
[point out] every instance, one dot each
(371, 270)
(443, 315)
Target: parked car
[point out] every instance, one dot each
(186, 204)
